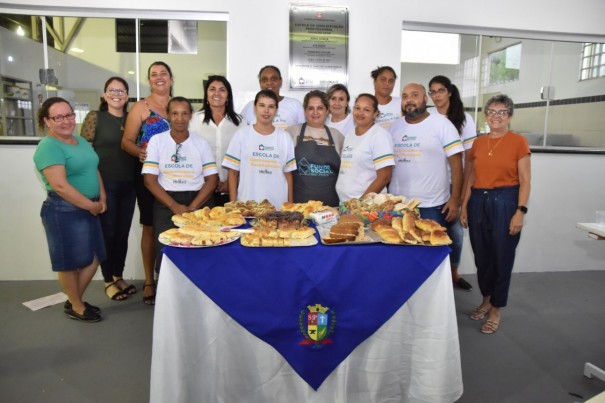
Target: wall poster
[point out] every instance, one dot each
(319, 46)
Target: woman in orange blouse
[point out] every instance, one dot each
(494, 205)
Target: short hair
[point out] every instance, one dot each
(104, 106)
(316, 94)
(343, 88)
(267, 94)
(500, 99)
(381, 69)
(43, 112)
(372, 98)
(269, 67)
(179, 99)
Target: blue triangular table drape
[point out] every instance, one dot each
(268, 292)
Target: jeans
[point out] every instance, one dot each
(489, 214)
(121, 199)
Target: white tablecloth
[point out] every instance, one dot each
(201, 355)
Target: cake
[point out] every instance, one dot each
(281, 220)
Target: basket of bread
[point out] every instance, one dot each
(374, 206)
(411, 230)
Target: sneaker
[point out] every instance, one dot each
(463, 284)
(67, 307)
(87, 316)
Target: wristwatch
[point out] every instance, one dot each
(522, 209)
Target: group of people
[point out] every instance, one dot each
(173, 160)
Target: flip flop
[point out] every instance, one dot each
(127, 289)
(114, 292)
(150, 299)
(490, 327)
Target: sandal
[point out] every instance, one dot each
(114, 292)
(490, 327)
(126, 288)
(150, 299)
(479, 313)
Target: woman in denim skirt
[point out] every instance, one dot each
(68, 168)
(494, 205)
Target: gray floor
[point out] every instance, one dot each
(554, 323)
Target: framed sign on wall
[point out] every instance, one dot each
(319, 46)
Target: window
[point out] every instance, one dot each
(504, 65)
(593, 61)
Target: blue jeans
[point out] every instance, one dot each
(121, 199)
(489, 214)
(454, 230)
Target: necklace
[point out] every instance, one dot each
(490, 149)
(119, 120)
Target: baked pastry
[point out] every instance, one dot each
(427, 224)
(347, 231)
(284, 220)
(386, 231)
(351, 218)
(439, 237)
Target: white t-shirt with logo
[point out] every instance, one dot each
(389, 113)
(183, 170)
(345, 126)
(361, 157)
(421, 159)
(469, 130)
(289, 112)
(261, 161)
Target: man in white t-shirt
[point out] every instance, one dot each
(389, 107)
(425, 145)
(289, 112)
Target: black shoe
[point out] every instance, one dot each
(463, 284)
(87, 316)
(67, 307)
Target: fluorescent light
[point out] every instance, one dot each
(20, 31)
(76, 50)
(10, 58)
(131, 72)
(430, 47)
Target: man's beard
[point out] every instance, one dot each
(420, 109)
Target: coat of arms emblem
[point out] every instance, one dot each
(316, 323)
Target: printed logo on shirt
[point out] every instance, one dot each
(316, 323)
(262, 147)
(305, 168)
(408, 138)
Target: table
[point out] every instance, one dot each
(595, 231)
(203, 354)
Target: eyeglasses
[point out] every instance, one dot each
(176, 157)
(115, 91)
(60, 118)
(494, 112)
(440, 91)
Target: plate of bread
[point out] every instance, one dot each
(349, 229)
(197, 236)
(410, 230)
(280, 229)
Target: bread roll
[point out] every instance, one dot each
(439, 237)
(427, 224)
(408, 222)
